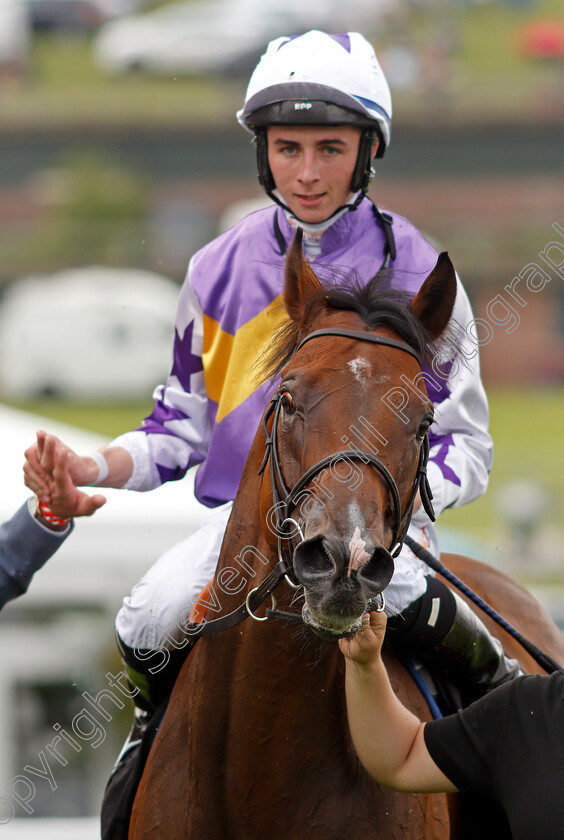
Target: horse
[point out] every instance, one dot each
(255, 743)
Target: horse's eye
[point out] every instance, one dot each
(424, 428)
(288, 403)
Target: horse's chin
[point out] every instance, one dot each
(330, 631)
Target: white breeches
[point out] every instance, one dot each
(160, 603)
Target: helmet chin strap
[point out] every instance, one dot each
(318, 227)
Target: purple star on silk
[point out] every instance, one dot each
(168, 474)
(184, 362)
(439, 458)
(154, 424)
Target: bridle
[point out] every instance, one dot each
(285, 498)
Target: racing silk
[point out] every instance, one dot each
(230, 305)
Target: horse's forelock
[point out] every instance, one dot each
(377, 302)
(380, 304)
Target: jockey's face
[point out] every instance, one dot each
(312, 167)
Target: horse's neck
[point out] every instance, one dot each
(246, 557)
(276, 644)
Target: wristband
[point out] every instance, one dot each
(103, 468)
(47, 514)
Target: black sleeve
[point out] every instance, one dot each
(465, 746)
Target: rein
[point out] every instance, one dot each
(254, 599)
(541, 658)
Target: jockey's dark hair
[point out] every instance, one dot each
(377, 302)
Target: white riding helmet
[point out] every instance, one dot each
(321, 79)
(336, 69)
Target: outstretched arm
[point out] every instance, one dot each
(54, 472)
(387, 737)
(32, 535)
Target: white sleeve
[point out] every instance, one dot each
(175, 436)
(461, 446)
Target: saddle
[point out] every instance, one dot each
(441, 694)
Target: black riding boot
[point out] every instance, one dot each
(441, 628)
(152, 672)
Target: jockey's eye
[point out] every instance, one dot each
(287, 401)
(424, 427)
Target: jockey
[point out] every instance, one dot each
(319, 110)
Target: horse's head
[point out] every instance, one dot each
(348, 430)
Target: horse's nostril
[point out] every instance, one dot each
(312, 561)
(377, 571)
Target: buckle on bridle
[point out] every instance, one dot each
(289, 581)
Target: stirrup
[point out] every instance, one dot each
(141, 720)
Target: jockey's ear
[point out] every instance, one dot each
(434, 302)
(301, 283)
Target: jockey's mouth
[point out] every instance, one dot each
(310, 198)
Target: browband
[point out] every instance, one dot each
(364, 336)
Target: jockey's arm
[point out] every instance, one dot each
(172, 439)
(387, 737)
(460, 443)
(175, 436)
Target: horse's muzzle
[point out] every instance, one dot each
(320, 561)
(335, 596)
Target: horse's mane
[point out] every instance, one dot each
(377, 302)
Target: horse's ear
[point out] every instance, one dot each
(434, 302)
(301, 283)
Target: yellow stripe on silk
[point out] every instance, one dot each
(229, 359)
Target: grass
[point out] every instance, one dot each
(493, 68)
(65, 86)
(526, 426)
(109, 419)
(484, 77)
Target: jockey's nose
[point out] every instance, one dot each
(308, 173)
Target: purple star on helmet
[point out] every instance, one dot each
(185, 363)
(341, 38)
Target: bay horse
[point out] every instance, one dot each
(255, 743)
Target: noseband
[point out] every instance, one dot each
(285, 498)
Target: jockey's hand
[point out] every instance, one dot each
(365, 646)
(66, 499)
(53, 471)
